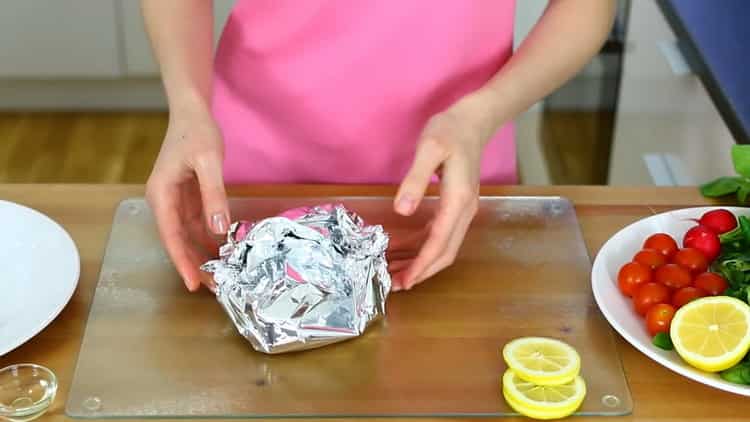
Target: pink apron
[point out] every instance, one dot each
(338, 91)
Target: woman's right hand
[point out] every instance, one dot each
(186, 193)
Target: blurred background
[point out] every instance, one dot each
(81, 100)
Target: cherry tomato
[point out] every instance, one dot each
(686, 294)
(662, 243)
(648, 295)
(711, 283)
(650, 258)
(631, 276)
(673, 276)
(658, 318)
(691, 259)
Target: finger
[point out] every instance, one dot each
(408, 240)
(194, 221)
(458, 204)
(440, 234)
(398, 271)
(208, 169)
(164, 203)
(428, 158)
(396, 256)
(399, 265)
(451, 252)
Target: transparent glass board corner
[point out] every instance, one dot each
(151, 349)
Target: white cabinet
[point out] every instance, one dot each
(85, 39)
(82, 54)
(139, 61)
(59, 39)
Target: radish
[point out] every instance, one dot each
(719, 221)
(704, 239)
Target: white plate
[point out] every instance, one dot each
(39, 268)
(619, 310)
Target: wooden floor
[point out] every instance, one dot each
(576, 146)
(122, 147)
(79, 147)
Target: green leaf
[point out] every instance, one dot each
(742, 193)
(745, 372)
(745, 227)
(662, 341)
(735, 374)
(721, 187)
(731, 236)
(741, 159)
(743, 190)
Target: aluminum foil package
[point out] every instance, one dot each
(307, 278)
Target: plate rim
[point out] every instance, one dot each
(23, 339)
(647, 349)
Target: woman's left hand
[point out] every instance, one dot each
(450, 146)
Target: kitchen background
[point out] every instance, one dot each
(81, 101)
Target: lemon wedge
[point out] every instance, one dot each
(712, 333)
(543, 402)
(542, 361)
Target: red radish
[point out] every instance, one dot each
(719, 221)
(703, 239)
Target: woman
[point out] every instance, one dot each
(351, 91)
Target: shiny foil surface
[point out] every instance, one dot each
(307, 278)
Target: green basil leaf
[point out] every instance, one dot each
(662, 341)
(741, 159)
(745, 227)
(730, 236)
(720, 187)
(734, 374)
(745, 373)
(742, 193)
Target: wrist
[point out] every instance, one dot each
(187, 96)
(484, 109)
(189, 106)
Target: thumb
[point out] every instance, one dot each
(428, 158)
(208, 169)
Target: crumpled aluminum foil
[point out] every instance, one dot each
(307, 278)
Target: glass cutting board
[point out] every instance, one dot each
(151, 349)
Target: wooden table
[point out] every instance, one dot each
(86, 211)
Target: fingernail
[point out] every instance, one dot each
(405, 205)
(219, 223)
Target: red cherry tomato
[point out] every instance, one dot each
(719, 221)
(631, 276)
(662, 243)
(686, 294)
(658, 318)
(650, 258)
(703, 239)
(672, 276)
(648, 295)
(691, 259)
(711, 283)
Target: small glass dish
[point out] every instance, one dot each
(26, 391)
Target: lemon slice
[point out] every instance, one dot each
(543, 402)
(712, 333)
(531, 413)
(542, 361)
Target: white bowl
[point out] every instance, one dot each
(618, 309)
